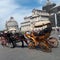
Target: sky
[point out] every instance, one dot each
(19, 9)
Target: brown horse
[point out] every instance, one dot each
(10, 40)
(19, 37)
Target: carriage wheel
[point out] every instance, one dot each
(31, 45)
(44, 47)
(53, 42)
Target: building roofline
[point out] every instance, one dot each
(55, 7)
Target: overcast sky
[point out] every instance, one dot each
(18, 9)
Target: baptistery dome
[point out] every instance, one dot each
(12, 25)
(11, 22)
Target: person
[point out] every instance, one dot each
(3, 40)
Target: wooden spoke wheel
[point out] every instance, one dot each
(53, 42)
(44, 47)
(31, 45)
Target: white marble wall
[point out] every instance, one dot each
(36, 16)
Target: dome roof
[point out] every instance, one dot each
(11, 22)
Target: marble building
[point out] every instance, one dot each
(12, 25)
(46, 14)
(53, 10)
(30, 21)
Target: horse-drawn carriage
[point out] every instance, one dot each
(42, 37)
(39, 38)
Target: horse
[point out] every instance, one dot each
(20, 38)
